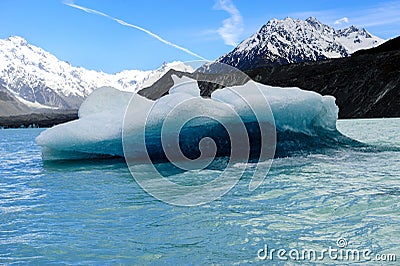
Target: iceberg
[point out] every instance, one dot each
(296, 119)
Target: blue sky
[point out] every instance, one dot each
(207, 28)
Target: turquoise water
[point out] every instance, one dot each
(93, 212)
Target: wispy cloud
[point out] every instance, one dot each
(341, 21)
(92, 11)
(380, 16)
(232, 27)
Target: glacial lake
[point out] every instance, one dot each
(93, 212)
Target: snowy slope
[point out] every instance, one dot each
(294, 40)
(39, 79)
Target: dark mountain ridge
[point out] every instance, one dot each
(390, 45)
(365, 85)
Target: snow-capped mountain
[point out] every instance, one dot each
(39, 80)
(294, 40)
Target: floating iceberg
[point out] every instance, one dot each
(300, 119)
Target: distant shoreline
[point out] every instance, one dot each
(38, 120)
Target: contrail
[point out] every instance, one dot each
(88, 10)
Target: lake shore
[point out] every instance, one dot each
(47, 119)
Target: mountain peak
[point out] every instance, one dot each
(288, 19)
(312, 19)
(316, 23)
(18, 40)
(295, 40)
(354, 29)
(350, 29)
(38, 78)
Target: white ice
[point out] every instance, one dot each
(98, 131)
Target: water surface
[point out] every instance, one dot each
(93, 212)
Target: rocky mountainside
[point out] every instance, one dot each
(9, 104)
(365, 85)
(292, 40)
(391, 45)
(36, 79)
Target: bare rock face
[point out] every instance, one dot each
(9, 104)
